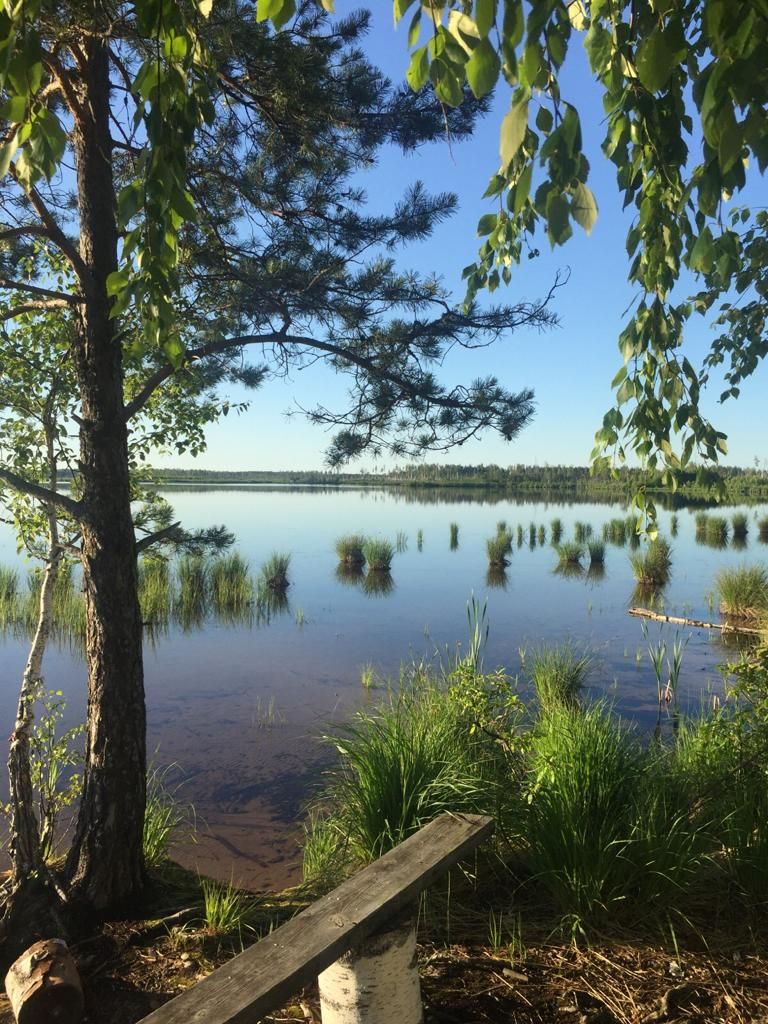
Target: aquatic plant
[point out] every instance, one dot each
(673, 525)
(542, 535)
(596, 550)
(274, 572)
(762, 530)
(743, 591)
(716, 533)
(498, 548)
(739, 523)
(582, 532)
(419, 540)
(377, 583)
(556, 531)
(532, 535)
(570, 553)
(349, 549)
(615, 532)
(519, 535)
(558, 674)
(401, 542)
(651, 568)
(155, 591)
(501, 526)
(378, 555)
(454, 536)
(230, 583)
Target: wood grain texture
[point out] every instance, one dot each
(261, 978)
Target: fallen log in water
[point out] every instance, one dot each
(724, 627)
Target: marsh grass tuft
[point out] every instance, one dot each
(570, 553)
(740, 526)
(596, 550)
(743, 591)
(349, 550)
(498, 548)
(556, 531)
(558, 674)
(274, 572)
(454, 536)
(167, 819)
(225, 908)
(762, 530)
(582, 532)
(378, 555)
(651, 568)
(232, 588)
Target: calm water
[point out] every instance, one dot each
(238, 709)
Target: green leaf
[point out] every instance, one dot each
(328, 5)
(703, 252)
(400, 8)
(584, 207)
(483, 69)
(414, 29)
(544, 120)
(418, 69)
(513, 129)
(558, 219)
(271, 10)
(7, 153)
(523, 188)
(14, 110)
(446, 81)
(485, 16)
(205, 7)
(655, 61)
(117, 281)
(487, 224)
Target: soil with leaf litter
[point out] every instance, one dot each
(129, 968)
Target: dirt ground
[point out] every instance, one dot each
(130, 968)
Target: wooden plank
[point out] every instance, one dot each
(261, 978)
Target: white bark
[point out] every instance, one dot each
(377, 983)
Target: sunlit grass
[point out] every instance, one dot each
(743, 591)
(652, 567)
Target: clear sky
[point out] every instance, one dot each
(570, 368)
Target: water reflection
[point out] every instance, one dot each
(569, 570)
(496, 577)
(596, 573)
(378, 583)
(349, 575)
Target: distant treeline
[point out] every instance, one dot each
(545, 482)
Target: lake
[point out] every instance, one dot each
(238, 710)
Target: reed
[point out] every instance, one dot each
(155, 591)
(401, 542)
(532, 535)
(274, 572)
(716, 532)
(582, 532)
(558, 674)
(542, 535)
(419, 540)
(739, 524)
(762, 530)
(9, 584)
(556, 531)
(700, 520)
(231, 585)
(674, 525)
(652, 567)
(519, 535)
(743, 591)
(501, 526)
(570, 553)
(454, 536)
(378, 555)
(498, 548)
(167, 819)
(193, 582)
(596, 550)
(615, 532)
(349, 549)
(634, 527)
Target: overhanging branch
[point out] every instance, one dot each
(156, 537)
(19, 483)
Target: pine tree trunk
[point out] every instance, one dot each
(105, 866)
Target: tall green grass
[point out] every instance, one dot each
(232, 589)
(615, 532)
(274, 572)
(740, 526)
(498, 548)
(582, 532)
(558, 674)
(596, 550)
(155, 591)
(743, 591)
(556, 531)
(652, 567)
(569, 553)
(378, 555)
(349, 549)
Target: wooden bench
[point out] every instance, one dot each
(335, 934)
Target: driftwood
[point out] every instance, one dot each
(43, 985)
(724, 627)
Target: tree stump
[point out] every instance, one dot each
(43, 985)
(375, 983)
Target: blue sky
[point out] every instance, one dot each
(570, 368)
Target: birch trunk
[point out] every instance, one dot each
(376, 983)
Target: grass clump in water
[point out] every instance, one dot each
(596, 552)
(274, 572)
(739, 523)
(454, 536)
(570, 553)
(615, 532)
(155, 591)
(349, 550)
(582, 532)
(378, 555)
(558, 674)
(762, 530)
(498, 548)
(556, 531)
(231, 584)
(652, 567)
(743, 591)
